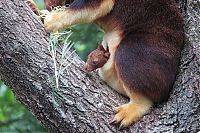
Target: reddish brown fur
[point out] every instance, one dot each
(97, 59)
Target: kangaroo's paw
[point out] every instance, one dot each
(130, 112)
(54, 21)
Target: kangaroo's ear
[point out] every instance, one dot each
(107, 55)
(100, 47)
(107, 49)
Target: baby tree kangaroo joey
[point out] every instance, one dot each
(97, 59)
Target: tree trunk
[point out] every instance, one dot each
(84, 103)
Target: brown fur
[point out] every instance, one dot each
(145, 41)
(97, 59)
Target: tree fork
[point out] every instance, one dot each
(87, 104)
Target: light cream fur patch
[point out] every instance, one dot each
(108, 71)
(55, 21)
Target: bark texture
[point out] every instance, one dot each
(84, 103)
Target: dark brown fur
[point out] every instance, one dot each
(148, 55)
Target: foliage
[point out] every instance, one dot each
(13, 116)
(86, 38)
(40, 4)
(59, 42)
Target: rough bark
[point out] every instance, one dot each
(84, 103)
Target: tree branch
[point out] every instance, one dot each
(84, 103)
